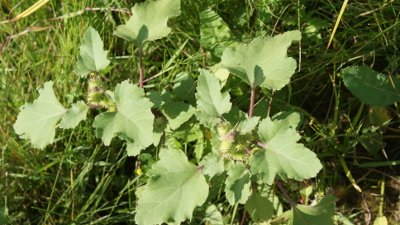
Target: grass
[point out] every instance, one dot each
(78, 180)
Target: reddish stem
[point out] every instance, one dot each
(141, 75)
(285, 193)
(252, 100)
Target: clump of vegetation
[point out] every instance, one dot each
(200, 113)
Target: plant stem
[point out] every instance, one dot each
(252, 97)
(285, 193)
(234, 213)
(141, 67)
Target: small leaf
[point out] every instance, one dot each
(177, 113)
(248, 125)
(237, 185)
(37, 121)
(92, 56)
(74, 115)
(281, 154)
(213, 216)
(259, 208)
(370, 87)
(264, 61)
(149, 21)
(322, 213)
(210, 101)
(213, 164)
(175, 188)
(133, 120)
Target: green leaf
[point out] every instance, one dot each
(370, 87)
(259, 208)
(215, 34)
(248, 125)
(149, 21)
(211, 103)
(213, 164)
(381, 220)
(74, 115)
(237, 185)
(281, 154)
(175, 188)
(177, 113)
(213, 216)
(92, 56)
(322, 213)
(133, 120)
(264, 61)
(37, 121)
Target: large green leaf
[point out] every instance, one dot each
(370, 87)
(211, 103)
(74, 115)
(237, 185)
(264, 61)
(92, 56)
(174, 189)
(133, 120)
(260, 208)
(149, 21)
(281, 154)
(322, 213)
(37, 121)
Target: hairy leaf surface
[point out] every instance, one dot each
(74, 115)
(177, 113)
(133, 120)
(149, 21)
(264, 61)
(322, 213)
(210, 101)
(371, 87)
(237, 185)
(281, 154)
(37, 121)
(260, 208)
(175, 188)
(92, 57)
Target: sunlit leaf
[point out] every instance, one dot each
(92, 57)
(177, 113)
(133, 120)
(149, 21)
(174, 189)
(264, 61)
(237, 185)
(37, 121)
(210, 101)
(281, 154)
(74, 115)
